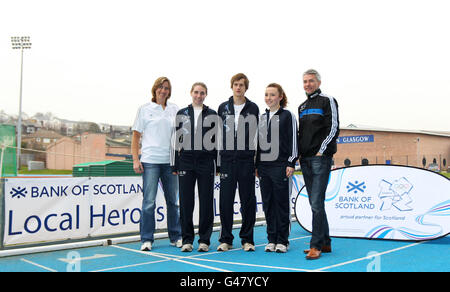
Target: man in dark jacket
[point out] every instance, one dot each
(236, 163)
(318, 131)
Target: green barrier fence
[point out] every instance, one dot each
(8, 159)
(2, 212)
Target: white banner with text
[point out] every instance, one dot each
(56, 209)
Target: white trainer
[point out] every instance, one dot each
(248, 247)
(224, 247)
(203, 247)
(270, 247)
(146, 246)
(281, 248)
(178, 243)
(187, 247)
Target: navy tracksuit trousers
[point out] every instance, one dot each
(275, 193)
(202, 171)
(237, 174)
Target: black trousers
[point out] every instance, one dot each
(237, 174)
(202, 172)
(275, 193)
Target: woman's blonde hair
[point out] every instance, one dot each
(158, 83)
(200, 84)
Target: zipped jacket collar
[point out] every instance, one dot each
(276, 113)
(314, 94)
(205, 107)
(231, 104)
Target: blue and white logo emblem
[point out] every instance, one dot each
(356, 187)
(19, 192)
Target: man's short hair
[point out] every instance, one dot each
(313, 72)
(238, 77)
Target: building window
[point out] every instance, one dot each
(347, 162)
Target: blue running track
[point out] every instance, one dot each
(348, 255)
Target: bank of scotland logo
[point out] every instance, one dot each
(19, 192)
(356, 187)
(217, 186)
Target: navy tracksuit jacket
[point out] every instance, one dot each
(275, 185)
(236, 163)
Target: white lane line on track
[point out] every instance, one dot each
(170, 258)
(252, 265)
(368, 257)
(178, 258)
(38, 265)
(130, 266)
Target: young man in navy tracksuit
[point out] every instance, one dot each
(236, 163)
(276, 157)
(193, 159)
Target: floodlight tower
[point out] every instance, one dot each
(20, 43)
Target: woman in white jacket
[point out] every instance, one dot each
(153, 129)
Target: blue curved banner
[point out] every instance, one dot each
(383, 202)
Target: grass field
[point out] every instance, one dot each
(447, 174)
(24, 170)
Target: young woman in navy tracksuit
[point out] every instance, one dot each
(276, 157)
(193, 159)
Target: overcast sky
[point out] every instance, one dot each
(386, 62)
